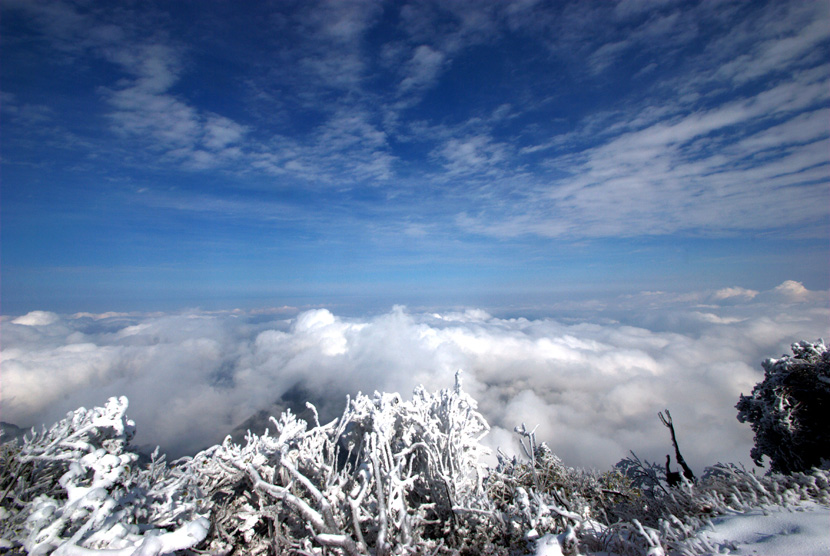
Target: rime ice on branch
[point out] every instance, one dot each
(386, 475)
(77, 489)
(788, 410)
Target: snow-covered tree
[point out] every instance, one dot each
(77, 488)
(389, 475)
(788, 410)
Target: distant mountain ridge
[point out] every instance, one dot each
(10, 431)
(294, 399)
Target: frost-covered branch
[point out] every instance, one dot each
(77, 489)
(788, 409)
(387, 476)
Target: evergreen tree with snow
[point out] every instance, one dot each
(788, 410)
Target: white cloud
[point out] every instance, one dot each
(680, 160)
(735, 292)
(423, 68)
(784, 36)
(593, 387)
(801, 130)
(145, 109)
(326, 49)
(477, 153)
(142, 106)
(221, 132)
(675, 157)
(37, 318)
(451, 26)
(715, 319)
(150, 114)
(793, 291)
(627, 8)
(663, 173)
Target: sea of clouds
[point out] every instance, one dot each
(593, 383)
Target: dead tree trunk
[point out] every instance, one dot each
(672, 477)
(667, 421)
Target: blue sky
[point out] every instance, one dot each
(160, 155)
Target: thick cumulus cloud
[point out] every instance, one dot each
(593, 385)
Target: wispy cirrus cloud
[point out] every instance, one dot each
(684, 166)
(471, 154)
(418, 131)
(780, 39)
(145, 109)
(331, 35)
(141, 105)
(422, 69)
(678, 167)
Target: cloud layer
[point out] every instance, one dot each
(593, 385)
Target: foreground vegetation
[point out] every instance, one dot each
(390, 476)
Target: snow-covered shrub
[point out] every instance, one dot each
(386, 477)
(645, 476)
(76, 488)
(788, 410)
(528, 502)
(669, 522)
(390, 476)
(540, 498)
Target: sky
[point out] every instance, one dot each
(158, 156)
(597, 210)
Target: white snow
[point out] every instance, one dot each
(803, 530)
(563, 544)
(548, 546)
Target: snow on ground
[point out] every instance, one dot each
(802, 530)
